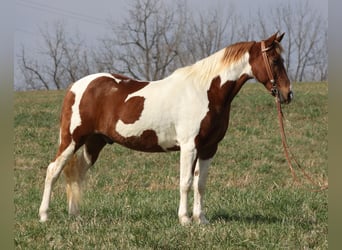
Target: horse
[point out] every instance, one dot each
(188, 111)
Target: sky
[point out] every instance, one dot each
(90, 18)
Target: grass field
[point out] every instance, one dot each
(131, 198)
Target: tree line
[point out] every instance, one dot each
(156, 38)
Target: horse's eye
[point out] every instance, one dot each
(276, 61)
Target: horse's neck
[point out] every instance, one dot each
(204, 71)
(231, 78)
(235, 70)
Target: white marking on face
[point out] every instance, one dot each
(78, 88)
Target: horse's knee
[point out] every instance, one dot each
(51, 172)
(185, 184)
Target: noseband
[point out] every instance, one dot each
(274, 89)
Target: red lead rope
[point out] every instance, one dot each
(289, 154)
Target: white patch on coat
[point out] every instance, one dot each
(172, 108)
(78, 88)
(237, 69)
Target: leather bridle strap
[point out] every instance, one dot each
(287, 151)
(274, 89)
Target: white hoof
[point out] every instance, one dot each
(200, 220)
(43, 217)
(184, 220)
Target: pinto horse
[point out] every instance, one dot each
(186, 111)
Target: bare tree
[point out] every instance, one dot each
(319, 67)
(76, 59)
(155, 39)
(207, 33)
(145, 44)
(31, 70)
(61, 61)
(304, 37)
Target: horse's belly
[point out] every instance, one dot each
(146, 138)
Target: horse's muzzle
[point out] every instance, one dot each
(285, 99)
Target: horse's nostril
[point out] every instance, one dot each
(290, 96)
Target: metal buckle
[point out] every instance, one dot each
(274, 89)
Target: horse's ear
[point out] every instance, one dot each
(269, 41)
(279, 38)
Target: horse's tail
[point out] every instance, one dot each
(74, 173)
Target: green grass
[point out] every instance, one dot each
(131, 198)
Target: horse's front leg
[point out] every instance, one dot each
(201, 173)
(187, 159)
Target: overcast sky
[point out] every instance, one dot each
(90, 18)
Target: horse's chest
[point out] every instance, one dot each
(213, 127)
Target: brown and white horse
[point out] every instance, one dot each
(187, 111)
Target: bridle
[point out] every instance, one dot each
(275, 93)
(274, 89)
(288, 154)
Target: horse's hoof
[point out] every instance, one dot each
(201, 220)
(43, 217)
(184, 220)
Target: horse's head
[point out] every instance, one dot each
(268, 67)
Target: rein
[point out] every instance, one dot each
(288, 154)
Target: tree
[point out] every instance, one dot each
(319, 65)
(305, 42)
(145, 44)
(207, 33)
(155, 39)
(62, 60)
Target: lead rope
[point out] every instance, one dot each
(289, 155)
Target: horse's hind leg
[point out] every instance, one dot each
(53, 171)
(76, 169)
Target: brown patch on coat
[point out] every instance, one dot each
(102, 105)
(214, 125)
(174, 148)
(133, 109)
(147, 141)
(65, 120)
(94, 145)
